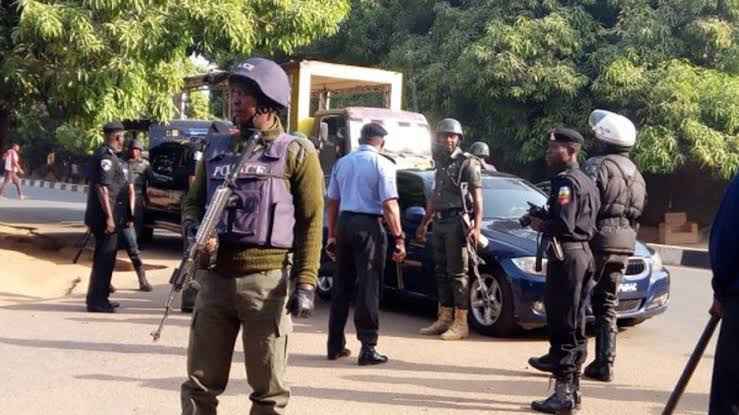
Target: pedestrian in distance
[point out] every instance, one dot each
(723, 244)
(574, 203)
(457, 185)
(110, 205)
(267, 247)
(362, 191)
(623, 196)
(12, 169)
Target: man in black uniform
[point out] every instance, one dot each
(110, 203)
(622, 195)
(573, 206)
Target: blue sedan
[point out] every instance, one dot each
(515, 288)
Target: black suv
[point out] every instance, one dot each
(175, 149)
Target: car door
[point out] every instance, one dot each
(411, 275)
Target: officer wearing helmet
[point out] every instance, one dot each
(457, 176)
(481, 150)
(573, 206)
(267, 248)
(138, 170)
(623, 196)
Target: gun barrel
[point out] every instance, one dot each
(690, 367)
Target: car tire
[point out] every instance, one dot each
(497, 322)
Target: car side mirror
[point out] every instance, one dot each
(323, 132)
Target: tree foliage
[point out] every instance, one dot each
(510, 70)
(89, 61)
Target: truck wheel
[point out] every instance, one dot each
(496, 318)
(147, 234)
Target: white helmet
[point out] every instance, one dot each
(612, 128)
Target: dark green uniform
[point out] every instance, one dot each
(137, 172)
(248, 290)
(448, 237)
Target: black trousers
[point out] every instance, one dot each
(725, 383)
(103, 262)
(361, 250)
(566, 296)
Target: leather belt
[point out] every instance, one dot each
(448, 213)
(371, 215)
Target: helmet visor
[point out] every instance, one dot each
(596, 117)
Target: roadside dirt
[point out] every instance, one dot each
(36, 262)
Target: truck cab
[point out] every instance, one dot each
(336, 133)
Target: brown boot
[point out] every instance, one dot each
(442, 323)
(459, 329)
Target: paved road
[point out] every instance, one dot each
(57, 359)
(42, 206)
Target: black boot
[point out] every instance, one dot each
(369, 356)
(543, 363)
(562, 401)
(601, 369)
(143, 283)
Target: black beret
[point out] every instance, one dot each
(113, 126)
(373, 129)
(565, 135)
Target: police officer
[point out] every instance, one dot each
(270, 236)
(622, 195)
(137, 171)
(361, 191)
(723, 246)
(481, 150)
(110, 203)
(457, 176)
(573, 206)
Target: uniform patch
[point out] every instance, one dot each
(565, 195)
(106, 164)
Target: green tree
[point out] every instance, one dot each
(510, 70)
(198, 105)
(86, 62)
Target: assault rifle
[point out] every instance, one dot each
(82, 245)
(544, 242)
(183, 274)
(475, 260)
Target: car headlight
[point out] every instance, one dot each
(527, 264)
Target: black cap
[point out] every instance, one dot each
(113, 126)
(565, 135)
(373, 129)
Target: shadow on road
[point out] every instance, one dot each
(513, 387)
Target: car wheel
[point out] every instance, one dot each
(493, 318)
(324, 286)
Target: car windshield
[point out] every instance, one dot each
(403, 139)
(508, 197)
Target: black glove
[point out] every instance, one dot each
(189, 231)
(301, 302)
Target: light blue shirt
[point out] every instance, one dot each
(362, 180)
